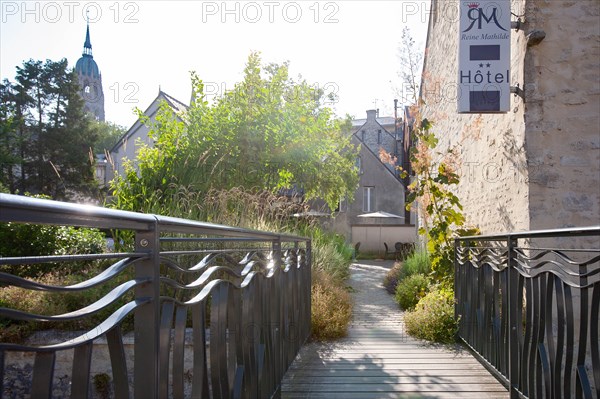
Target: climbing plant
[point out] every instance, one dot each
(436, 176)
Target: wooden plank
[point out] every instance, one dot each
(386, 355)
(380, 361)
(393, 395)
(392, 349)
(295, 381)
(363, 346)
(467, 367)
(390, 387)
(296, 374)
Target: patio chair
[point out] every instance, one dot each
(404, 249)
(356, 247)
(388, 251)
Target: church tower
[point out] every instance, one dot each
(90, 80)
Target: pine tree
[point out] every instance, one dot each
(46, 135)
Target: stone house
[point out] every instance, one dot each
(127, 146)
(380, 188)
(537, 166)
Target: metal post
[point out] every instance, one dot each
(308, 288)
(513, 339)
(457, 288)
(278, 322)
(147, 321)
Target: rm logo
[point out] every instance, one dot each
(477, 16)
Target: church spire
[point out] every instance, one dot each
(87, 46)
(90, 80)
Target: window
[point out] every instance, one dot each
(362, 135)
(379, 136)
(368, 199)
(359, 165)
(341, 205)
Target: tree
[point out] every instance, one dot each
(10, 144)
(411, 61)
(107, 135)
(270, 132)
(46, 134)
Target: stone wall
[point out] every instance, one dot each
(537, 166)
(562, 113)
(490, 147)
(388, 194)
(19, 366)
(376, 137)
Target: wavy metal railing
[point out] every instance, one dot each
(531, 311)
(245, 295)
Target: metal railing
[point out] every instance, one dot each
(530, 310)
(243, 295)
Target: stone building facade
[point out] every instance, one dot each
(127, 147)
(537, 166)
(380, 188)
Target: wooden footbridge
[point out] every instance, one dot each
(222, 312)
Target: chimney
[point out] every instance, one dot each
(377, 112)
(371, 114)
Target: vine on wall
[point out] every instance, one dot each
(436, 176)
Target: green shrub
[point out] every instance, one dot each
(327, 259)
(102, 385)
(410, 290)
(331, 307)
(331, 304)
(433, 317)
(417, 262)
(345, 249)
(391, 279)
(330, 253)
(53, 303)
(21, 239)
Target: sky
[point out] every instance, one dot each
(348, 47)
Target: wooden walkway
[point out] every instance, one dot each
(379, 360)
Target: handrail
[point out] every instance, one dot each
(531, 312)
(571, 231)
(231, 281)
(17, 208)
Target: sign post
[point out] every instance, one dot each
(484, 56)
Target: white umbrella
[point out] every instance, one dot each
(380, 215)
(312, 213)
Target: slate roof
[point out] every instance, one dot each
(383, 121)
(175, 104)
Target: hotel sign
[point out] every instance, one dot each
(484, 56)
